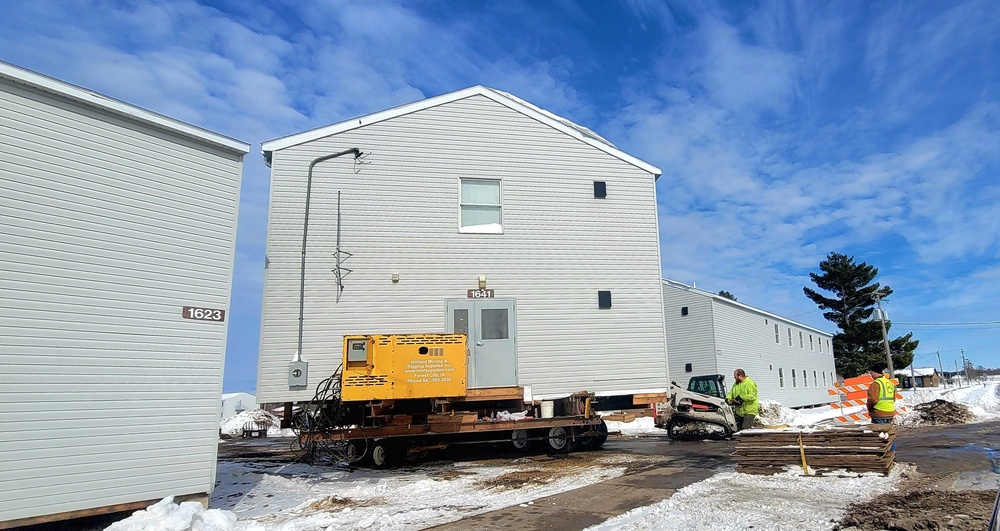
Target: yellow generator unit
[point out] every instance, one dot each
(396, 367)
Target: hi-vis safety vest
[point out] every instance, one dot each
(886, 395)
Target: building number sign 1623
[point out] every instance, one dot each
(204, 314)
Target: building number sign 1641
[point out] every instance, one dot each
(203, 314)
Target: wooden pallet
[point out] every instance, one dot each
(851, 449)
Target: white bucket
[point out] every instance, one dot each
(548, 409)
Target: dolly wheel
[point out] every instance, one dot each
(602, 434)
(383, 454)
(558, 440)
(519, 440)
(357, 451)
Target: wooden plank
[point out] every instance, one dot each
(648, 398)
(490, 393)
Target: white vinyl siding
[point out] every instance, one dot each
(398, 211)
(742, 337)
(108, 227)
(690, 338)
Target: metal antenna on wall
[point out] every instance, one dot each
(341, 256)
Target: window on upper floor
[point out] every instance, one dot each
(802, 345)
(600, 189)
(810, 341)
(820, 342)
(789, 337)
(481, 207)
(777, 338)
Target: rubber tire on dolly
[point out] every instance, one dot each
(602, 435)
(558, 440)
(519, 440)
(358, 451)
(384, 454)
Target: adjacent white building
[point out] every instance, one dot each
(709, 334)
(235, 403)
(473, 212)
(117, 238)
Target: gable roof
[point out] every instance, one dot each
(21, 76)
(509, 100)
(720, 298)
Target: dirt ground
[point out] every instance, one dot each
(938, 412)
(922, 509)
(954, 488)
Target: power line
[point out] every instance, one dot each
(968, 323)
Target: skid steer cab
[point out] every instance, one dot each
(700, 411)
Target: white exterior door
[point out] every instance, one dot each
(489, 325)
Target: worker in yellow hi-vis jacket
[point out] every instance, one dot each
(881, 396)
(743, 396)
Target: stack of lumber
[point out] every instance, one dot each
(827, 450)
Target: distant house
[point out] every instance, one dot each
(117, 241)
(918, 377)
(472, 212)
(792, 363)
(236, 403)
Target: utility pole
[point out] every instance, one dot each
(956, 374)
(965, 365)
(943, 381)
(885, 335)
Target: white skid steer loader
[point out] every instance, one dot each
(700, 411)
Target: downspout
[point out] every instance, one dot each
(305, 233)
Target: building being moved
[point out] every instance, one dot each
(710, 334)
(117, 240)
(472, 212)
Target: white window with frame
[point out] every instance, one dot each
(816, 380)
(820, 342)
(777, 338)
(805, 378)
(781, 377)
(480, 206)
(810, 342)
(789, 337)
(793, 377)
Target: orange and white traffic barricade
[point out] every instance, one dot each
(853, 393)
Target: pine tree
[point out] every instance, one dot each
(859, 344)
(727, 295)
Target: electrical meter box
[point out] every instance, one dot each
(396, 367)
(298, 374)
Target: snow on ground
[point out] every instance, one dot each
(297, 497)
(640, 427)
(233, 426)
(732, 500)
(294, 497)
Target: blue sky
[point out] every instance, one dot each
(785, 130)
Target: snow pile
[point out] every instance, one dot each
(774, 414)
(233, 426)
(983, 400)
(733, 500)
(165, 515)
(640, 427)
